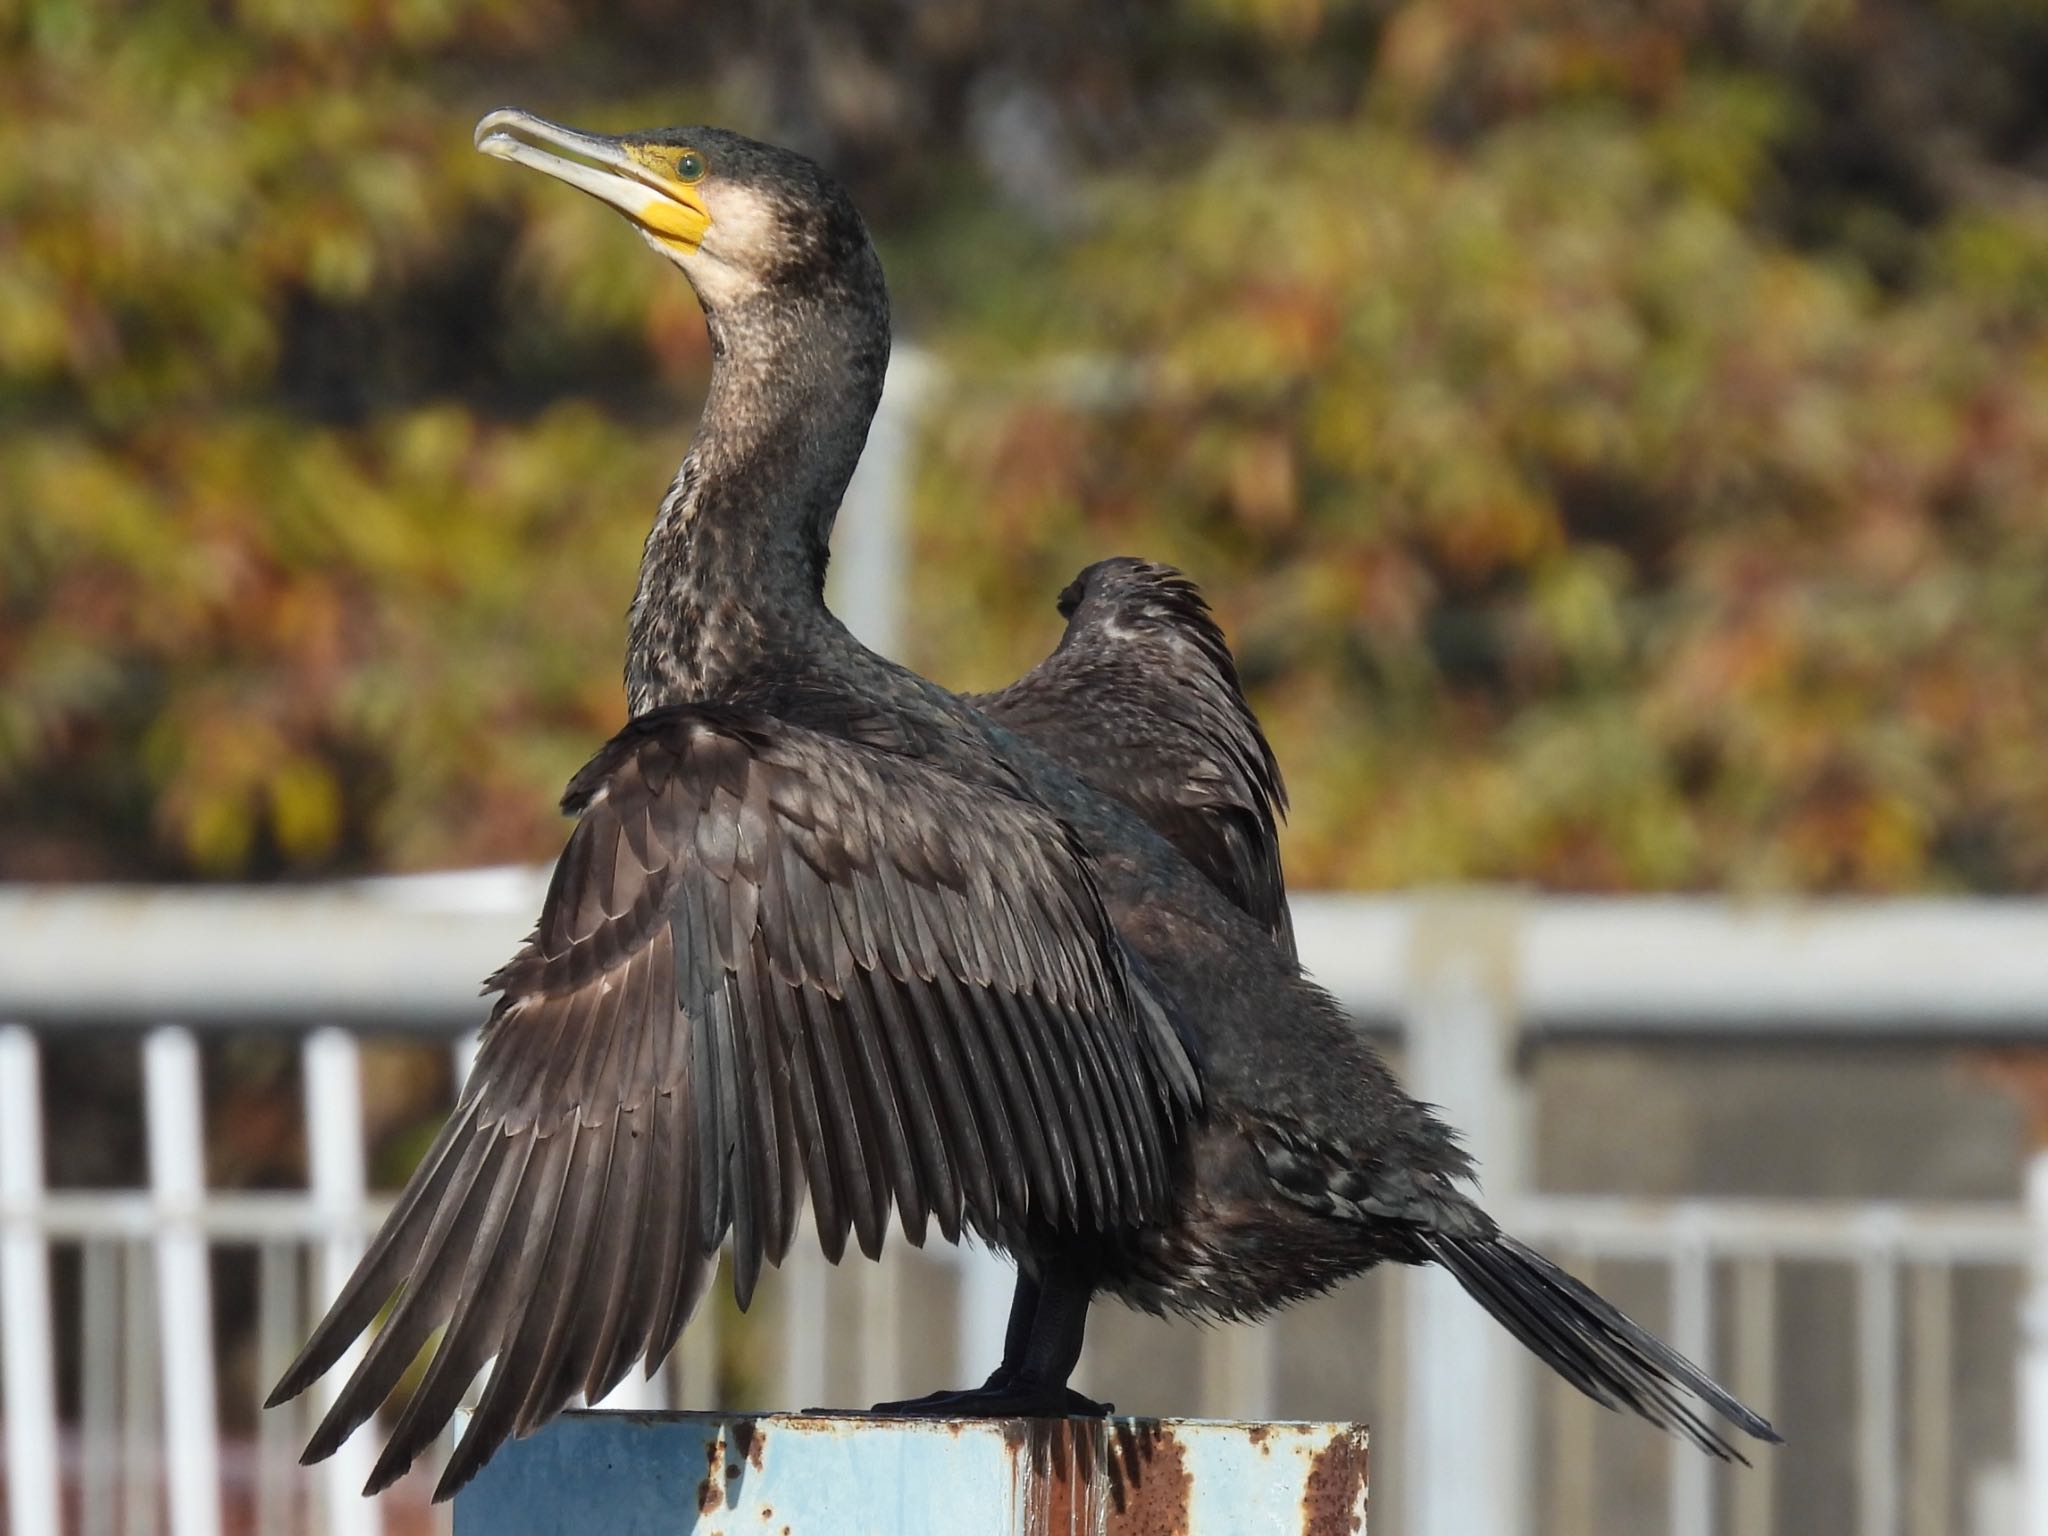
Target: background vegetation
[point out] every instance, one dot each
(1614, 434)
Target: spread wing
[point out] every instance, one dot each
(1165, 729)
(770, 961)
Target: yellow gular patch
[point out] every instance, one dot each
(676, 212)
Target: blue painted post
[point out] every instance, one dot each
(706, 1474)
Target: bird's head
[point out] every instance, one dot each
(1130, 591)
(1126, 601)
(739, 217)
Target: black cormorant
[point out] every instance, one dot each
(822, 926)
(1141, 698)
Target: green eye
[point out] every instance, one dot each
(689, 166)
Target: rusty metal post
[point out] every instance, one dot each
(698, 1474)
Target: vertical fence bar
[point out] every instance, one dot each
(986, 1283)
(170, 1066)
(1467, 1410)
(1392, 1280)
(99, 1386)
(1877, 1374)
(881, 1356)
(332, 1065)
(694, 1364)
(1237, 1372)
(277, 1339)
(1756, 1382)
(1573, 1484)
(1692, 1325)
(869, 584)
(142, 1452)
(29, 1380)
(806, 1327)
(870, 558)
(2033, 1436)
(1931, 1370)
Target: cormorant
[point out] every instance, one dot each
(1141, 698)
(823, 925)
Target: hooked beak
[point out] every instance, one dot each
(634, 179)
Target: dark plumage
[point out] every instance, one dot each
(1141, 698)
(823, 926)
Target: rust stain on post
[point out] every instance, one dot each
(1089, 1478)
(1053, 1463)
(1335, 1488)
(711, 1491)
(1150, 1488)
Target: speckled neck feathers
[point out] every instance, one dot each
(734, 568)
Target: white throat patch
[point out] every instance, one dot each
(743, 227)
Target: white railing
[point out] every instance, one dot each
(1470, 982)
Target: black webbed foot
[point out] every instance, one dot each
(1012, 1399)
(947, 1401)
(931, 1403)
(1040, 1349)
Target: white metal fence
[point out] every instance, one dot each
(113, 1421)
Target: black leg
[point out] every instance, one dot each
(1038, 1388)
(1017, 1336)
(1052, 1348)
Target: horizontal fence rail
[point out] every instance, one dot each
(1465, 980)
(1620, 966)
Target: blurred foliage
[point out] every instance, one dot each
(1614, 434)
(1618, 445)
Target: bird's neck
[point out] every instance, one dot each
(733, 576)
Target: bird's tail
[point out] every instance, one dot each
(1592, 1343)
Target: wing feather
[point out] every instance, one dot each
(770, 962)
(529, 1378)
(623, 1219)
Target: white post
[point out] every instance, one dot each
(465, 1060)
(141, 1400)
(880, 1377)
(870, 558)
(99, 1386)
(1877, 1377)
(2033, 1427)
(806, 1329)
(332, 1065)
(1468, 1409)
(1238, 1371)
(280, 1327)
(637, 1392)
(1692, 1334)
(177, 1176)
(986, 1283)
(30, 1391)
